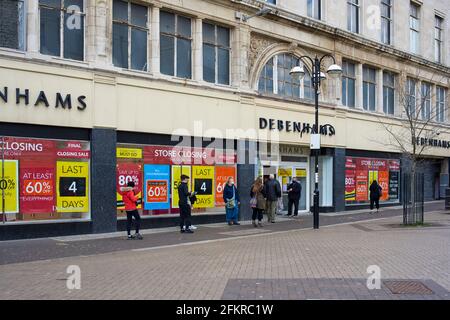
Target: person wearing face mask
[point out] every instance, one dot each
(231, 198)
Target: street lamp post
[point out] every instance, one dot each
(317, 76)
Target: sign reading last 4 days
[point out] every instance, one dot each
(72, 181)
(203, 184)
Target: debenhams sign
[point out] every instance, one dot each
(57, 100)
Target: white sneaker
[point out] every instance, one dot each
(193, 227)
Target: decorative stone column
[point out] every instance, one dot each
(198, 49)
(240, 47)
(33, 27)
(103, 33)
(155, 41)
(400, 91)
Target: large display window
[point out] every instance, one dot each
(359, 174)
(43, 179)
(156, 171)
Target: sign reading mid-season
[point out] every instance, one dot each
(156, 186)
(72, 186)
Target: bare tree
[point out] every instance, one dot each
(420, 107)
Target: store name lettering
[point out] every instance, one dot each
(433, 143)
(295, 126)
(63, 101)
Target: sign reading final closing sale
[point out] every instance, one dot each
(72, 182)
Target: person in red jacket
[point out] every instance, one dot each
(130, 200)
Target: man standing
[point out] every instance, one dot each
(294, 194)
(273, 193)
(185, 205)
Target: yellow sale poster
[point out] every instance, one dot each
(9, 186)
(72, 186)
(177, 171)
(203, 184)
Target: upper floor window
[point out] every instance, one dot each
(216, 54)
(411, 97)
(414, 28)
(440, 103)
(130, 35)
(175, 45)
(62, 28)
(388, 92)
(275, 78)
(314, 9)
(353, 15)
(438, 30)
(12, 24)
(348, 83)
(369, 88)
(272, 1)
(386, 21)
(425, 93)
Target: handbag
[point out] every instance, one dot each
(231, 203)
(253, 202)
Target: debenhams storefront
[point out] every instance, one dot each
(69, 139)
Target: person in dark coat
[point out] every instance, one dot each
(184, 203)
(272, 190)
(375, 195)
(294, 194)
(232, 201)
(258, 203)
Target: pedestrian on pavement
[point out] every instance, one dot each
(294, 194)
(272, 191)
(375, 195)
(258, 201)
(130, 201)
(184, 202)
(232, 201)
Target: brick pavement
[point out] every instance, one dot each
(206, 270)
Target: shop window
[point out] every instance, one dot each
(12, 24)
(130, 33)
(440, 104)
(44, 179)
(369, 88)
(216, 54)
(425, 101)
(156, 171)
(175, 45)
(348, 84)
(275, 79)
(62, 28)
(359, 174)
(388, 92)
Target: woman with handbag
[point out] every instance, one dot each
(257, 201)
(231, 198)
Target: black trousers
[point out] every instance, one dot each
(257, 213)
(376, 201)
(137, 219)
(185, 216)
(293, 202)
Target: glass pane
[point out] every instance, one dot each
(50, 27)
(223, 36)
(166, 22)
(120, 45)
(288, 90)
(184, 58)
(184, 27)
(52, 3)
(344, 91)
(120, 10)
(73, 36)
(209, 33)
(261, 84)
(74, 5)
(391, 100)
(138, 49)
(296, 91)
(9, 24)
(209, 63)
(139, 15)
(269, 86)
(365, 96)
(223, 74)
(280, 88)
(269, 70)
(167, 55)
(372, 90)
(385, 100)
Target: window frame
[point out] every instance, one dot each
(22, 29)
(411, 97)
(63, 11)
(438, 41)
(369, 83)
(440, 104)
(425, 100)
(311, 9)
(414, 31)
(345, 77)
(353, 5)
(130, 27)
(175, 36)
(389, 87)
(388, 20)
(218, 46)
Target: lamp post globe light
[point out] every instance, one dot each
(317, 76)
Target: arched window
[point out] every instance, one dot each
(276, 80)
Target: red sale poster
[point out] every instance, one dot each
(128, 172)
(222, 174)
(37, 192)
(361, 185)
(350, 185)
(383, 181)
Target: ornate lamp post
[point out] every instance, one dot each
(317, 76)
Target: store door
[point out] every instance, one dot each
(285, 174)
